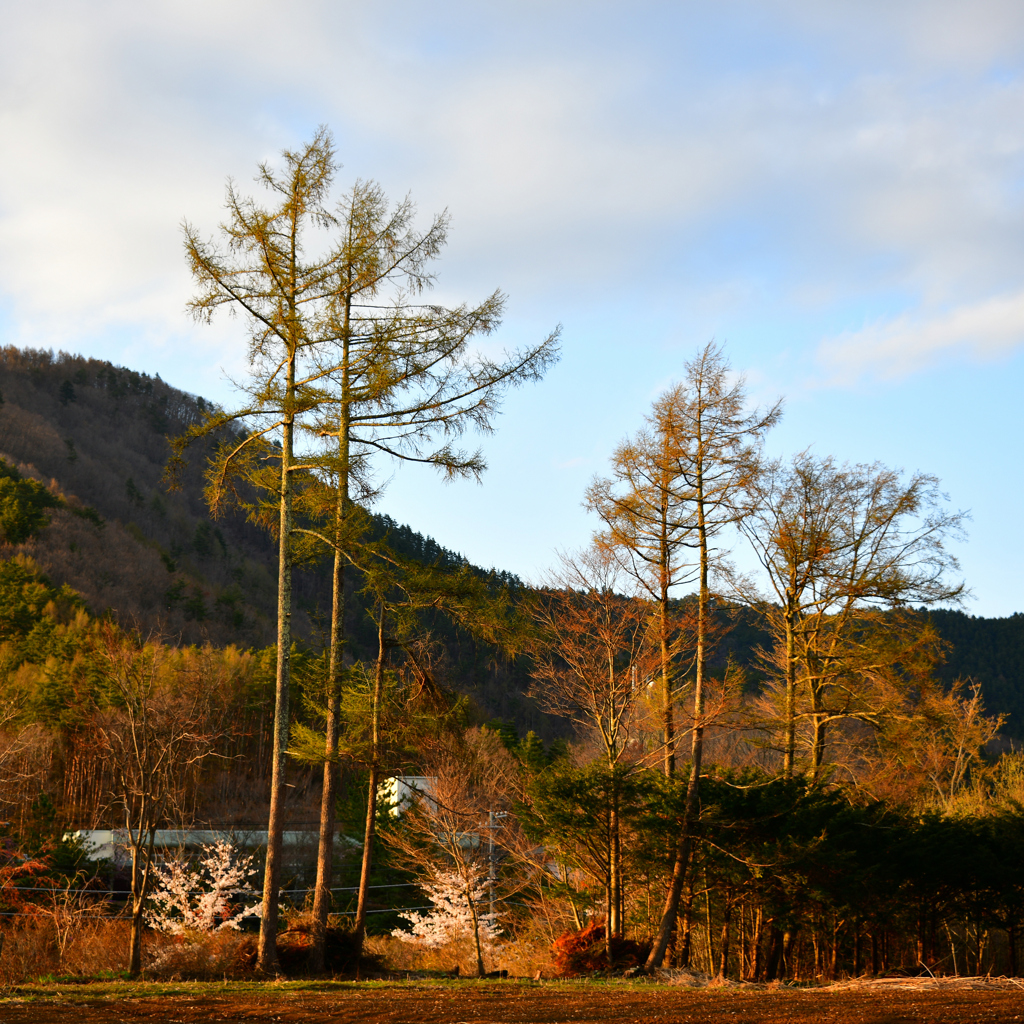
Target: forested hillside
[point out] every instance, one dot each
(151, 555)
(98, 435)
(990, 651)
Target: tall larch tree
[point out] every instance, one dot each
(717, 443)
(404, 383)
(349, 362)
(263, 267)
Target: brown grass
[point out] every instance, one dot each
(91, 948)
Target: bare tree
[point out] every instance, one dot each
(157, 728)
(448, 830)
(593, 661)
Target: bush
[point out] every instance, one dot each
(295, 942)
(583, 952)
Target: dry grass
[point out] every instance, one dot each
(521, 959)
(926, 984)
(36, 948)
(202, 957)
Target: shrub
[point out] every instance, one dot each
(583, 952)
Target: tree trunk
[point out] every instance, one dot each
(723, 963)
(325, 851)
(371, 798)
(475, 918)
(140, 884)
(614, 866)
(789, 755)
(666, 668)
(686, 945)
(833, 964)
(267, 957)
(788, 942)
(756, 959)
(772, 968)
(819, 725)
(691, 808)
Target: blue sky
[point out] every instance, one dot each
(833, 190)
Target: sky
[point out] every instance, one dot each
(833, 191)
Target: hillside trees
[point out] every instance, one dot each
(845, 549)
(340, 343)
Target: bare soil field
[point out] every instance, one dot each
(512, 1002)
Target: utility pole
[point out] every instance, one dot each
(492, 871)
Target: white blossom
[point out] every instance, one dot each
(451, 917)
(201, 899)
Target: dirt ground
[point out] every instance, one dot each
(520, 1003)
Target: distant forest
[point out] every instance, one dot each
(97, 434)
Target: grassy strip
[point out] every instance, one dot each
(88, 990)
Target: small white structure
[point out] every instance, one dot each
(398, 793)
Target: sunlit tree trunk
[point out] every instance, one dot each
(370, 832)
(267, 957)
(325, 849)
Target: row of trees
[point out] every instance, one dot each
(843, 551)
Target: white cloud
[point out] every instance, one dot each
(899, 346)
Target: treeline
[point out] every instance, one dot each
(788, 879)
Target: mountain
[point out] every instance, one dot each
(150, 555)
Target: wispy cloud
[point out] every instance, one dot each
(901, 345)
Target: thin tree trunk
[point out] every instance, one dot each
(819, 726)
(833, 965)
(686, 945)
(267, 956)
(723, 963)
(371, 797)
(325, 851)
(690, 811)
(756, 964)
(608, 923)
(772, 968)
(666, 667)
(788, 942)
(475, 918)
(609, 888)
(789, 755)
(140, 885)
(614, 864)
